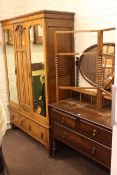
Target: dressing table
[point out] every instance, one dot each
(81, 116)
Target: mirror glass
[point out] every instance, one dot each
(11, 65)
(88, 64)
(38, 72)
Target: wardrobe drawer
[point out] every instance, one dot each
(95, 132)
(92, 149)
(64, 119)
(18, 120)
(36, 130)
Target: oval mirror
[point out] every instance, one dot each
(88, 64)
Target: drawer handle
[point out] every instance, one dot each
(22, 123)
(64, 135)
(30, 128)
(94, 150)
(63, 120)
(94, 133)
(79, 115)
(41, 135)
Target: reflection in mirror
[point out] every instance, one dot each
(11, 65)
(38, 73)
(88, 64)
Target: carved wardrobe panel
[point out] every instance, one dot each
(20, 34)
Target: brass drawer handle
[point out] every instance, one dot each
(41, 135)
(63, 120)
(13, 116)
(15, 70)
(22, 123)
(79, 115)
(94, 133)
(64, 135)
(30, 128)
(94, 150)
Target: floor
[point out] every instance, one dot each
(25, 156)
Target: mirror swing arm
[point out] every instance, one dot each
(99, 84)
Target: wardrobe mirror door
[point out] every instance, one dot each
(38, 73)
(11, 67)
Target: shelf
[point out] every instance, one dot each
(81, 31)
(102, 62)
(85, 90)
(111, 56)
(67, 54)
(107, 97)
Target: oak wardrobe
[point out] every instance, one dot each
(30, 67)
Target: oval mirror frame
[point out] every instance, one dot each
(88, 65)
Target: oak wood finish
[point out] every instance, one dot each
(22, 114)
(99, 69)
(84, 128)
(88, 147)
(65, 120)
(96, 133)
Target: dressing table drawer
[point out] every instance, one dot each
(95, 132)
(64, 119)
(81, 143)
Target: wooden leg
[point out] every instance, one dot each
(13, 126)
(54, 148)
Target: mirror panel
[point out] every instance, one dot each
(88, 63)
(8, 34)
(38, 72)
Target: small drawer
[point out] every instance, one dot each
(100, 153)
(36, 130)
(95, 132)
(64, 119)
(18, 120)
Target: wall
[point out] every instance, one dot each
(88, 15)
(10, 8)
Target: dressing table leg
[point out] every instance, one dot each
(54, 148)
